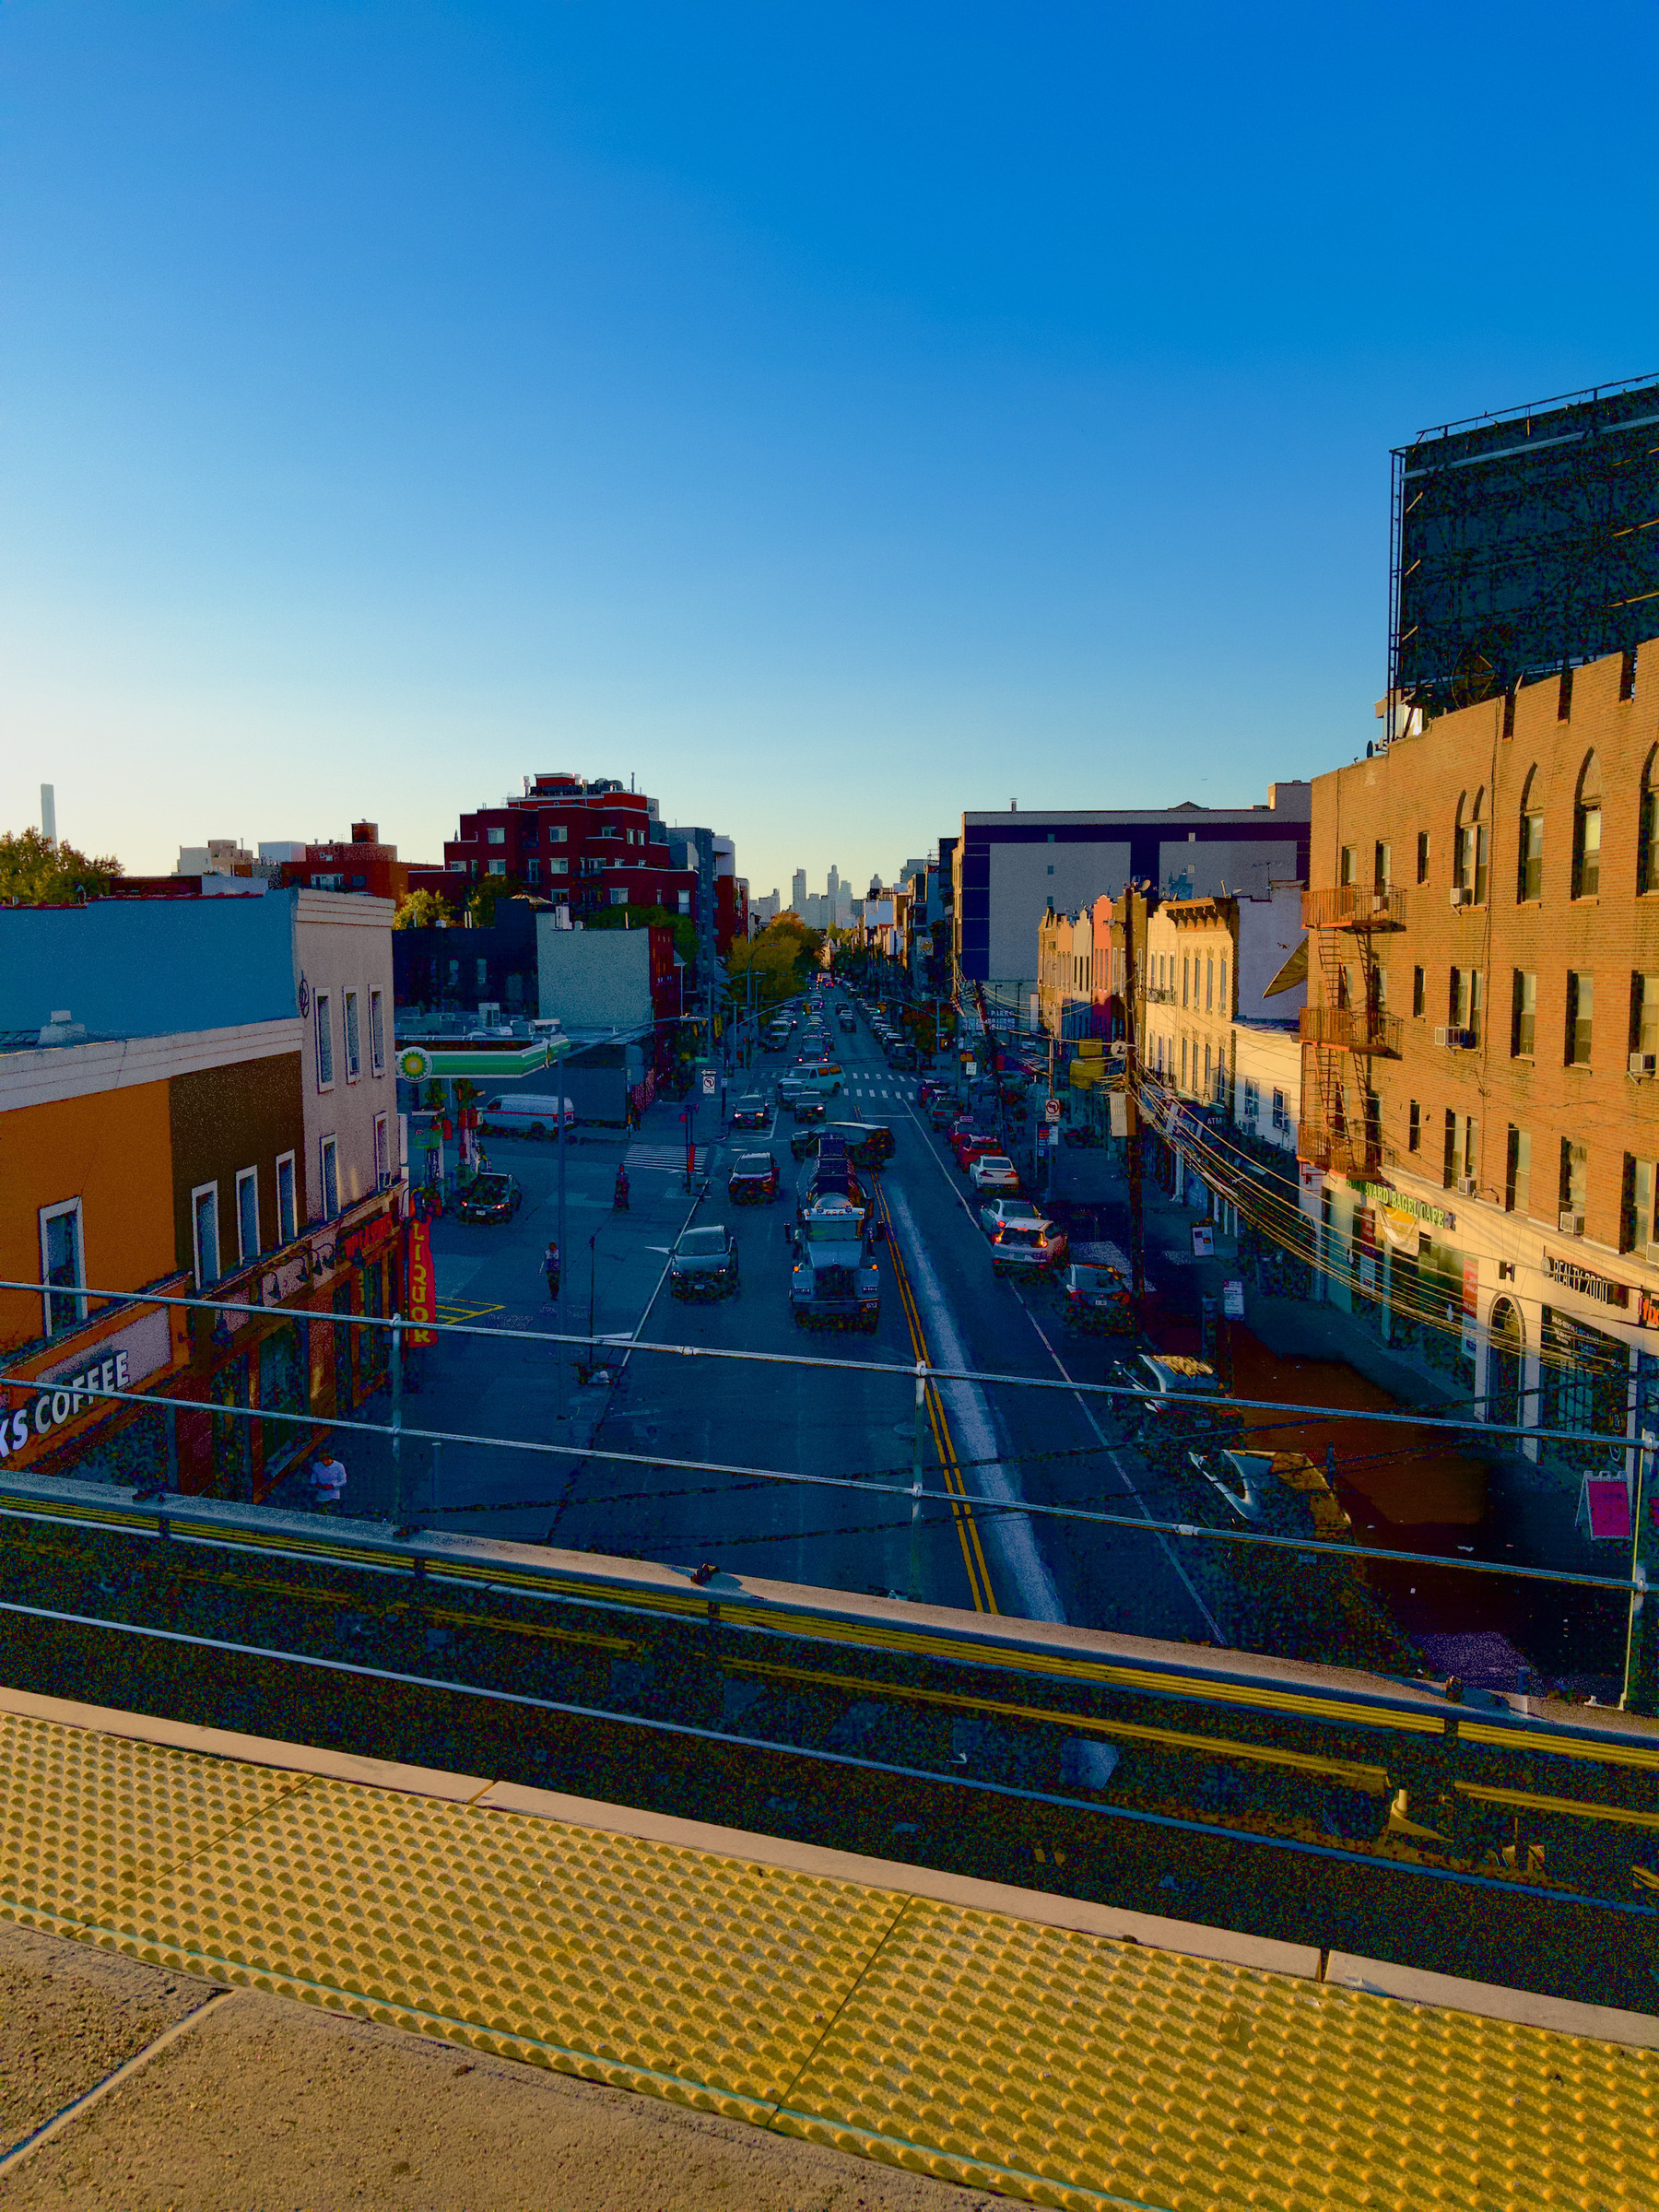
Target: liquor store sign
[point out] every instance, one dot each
(69, 1391)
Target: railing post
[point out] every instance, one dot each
(916, 1531)
(399, 1516)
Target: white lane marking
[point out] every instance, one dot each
(1010, 1536)
(1111, 1458)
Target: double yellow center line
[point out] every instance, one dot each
(967, 1535)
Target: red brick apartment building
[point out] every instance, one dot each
(581, 844)
(1480, 1081)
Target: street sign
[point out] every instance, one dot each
(1052, 1110)
(708, 1082)
(1232, 1300)
(1204, 1240)
(969, 1067)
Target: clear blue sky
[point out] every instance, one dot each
(835, 416)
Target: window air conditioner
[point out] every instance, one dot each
(1466, 1185)
(1572, 1225)
(1460, 894)
(1651, 1256)
(1442, 1037)
(1644, 1063)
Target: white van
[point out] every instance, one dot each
(524, 1113)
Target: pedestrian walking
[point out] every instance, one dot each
(328, 1483)
(550, 1269)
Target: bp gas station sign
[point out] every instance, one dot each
(421, 1063)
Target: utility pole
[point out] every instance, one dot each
(1137, 1247)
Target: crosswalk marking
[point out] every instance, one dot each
(663, 1156)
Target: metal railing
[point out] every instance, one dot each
(1353, 1029)
(1354, 906)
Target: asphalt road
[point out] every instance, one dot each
(841, 1414)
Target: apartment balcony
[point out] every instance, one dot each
(1352, 906)
(1353, 1029)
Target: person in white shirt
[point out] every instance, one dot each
(328, 1483)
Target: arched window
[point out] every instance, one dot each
(1587, 832)
(1529, 882)
(1647, 853)
(1505, 1353)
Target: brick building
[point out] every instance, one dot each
(1480, 1123)
(363, 864)
(582, 844)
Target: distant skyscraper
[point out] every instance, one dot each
(797, 892)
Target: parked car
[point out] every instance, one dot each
(526, 1113)
(998, 1213)
(973, 1145)
(754, 1178)
(869, 1144)
(1027, 1247)
(1096, 1298)
(941, 1109)
(902, 1056)
(1186, 1404)
(704, 1263)
(993, 1171)
(489, 1197)
(803, 1143)
(750, 1113)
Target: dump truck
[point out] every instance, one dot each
(835, 1276)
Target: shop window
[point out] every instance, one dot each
(1517, 1172)
(325, 1043)
(1636, 1208)
(1587, 1379)
(204, 1219)
(287, 1201)
(1523, 1015)
(63, 1266)
(377, 1032)
(354, 1058)
(1529, 883)
(1422, 856)
(1580, 1016)
(1587, 832)
(247, 1215)
(228, 1390)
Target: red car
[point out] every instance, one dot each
(753, 1179)
(970, 1148)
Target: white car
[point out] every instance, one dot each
(995, 1171)
(1002, 1211)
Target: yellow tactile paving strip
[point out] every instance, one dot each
(1062, 2068)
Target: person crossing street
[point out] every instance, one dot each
(550, 1269)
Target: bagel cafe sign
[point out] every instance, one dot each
(63, 1392)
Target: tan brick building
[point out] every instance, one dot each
(1482, 1036)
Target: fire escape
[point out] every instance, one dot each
(1340, 1128)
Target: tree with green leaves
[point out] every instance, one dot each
(423, 909)
(35, 872)
(649, 917)
(779, 957)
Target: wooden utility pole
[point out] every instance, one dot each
(1137, 1245)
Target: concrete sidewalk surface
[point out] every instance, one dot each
(237, 2101)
